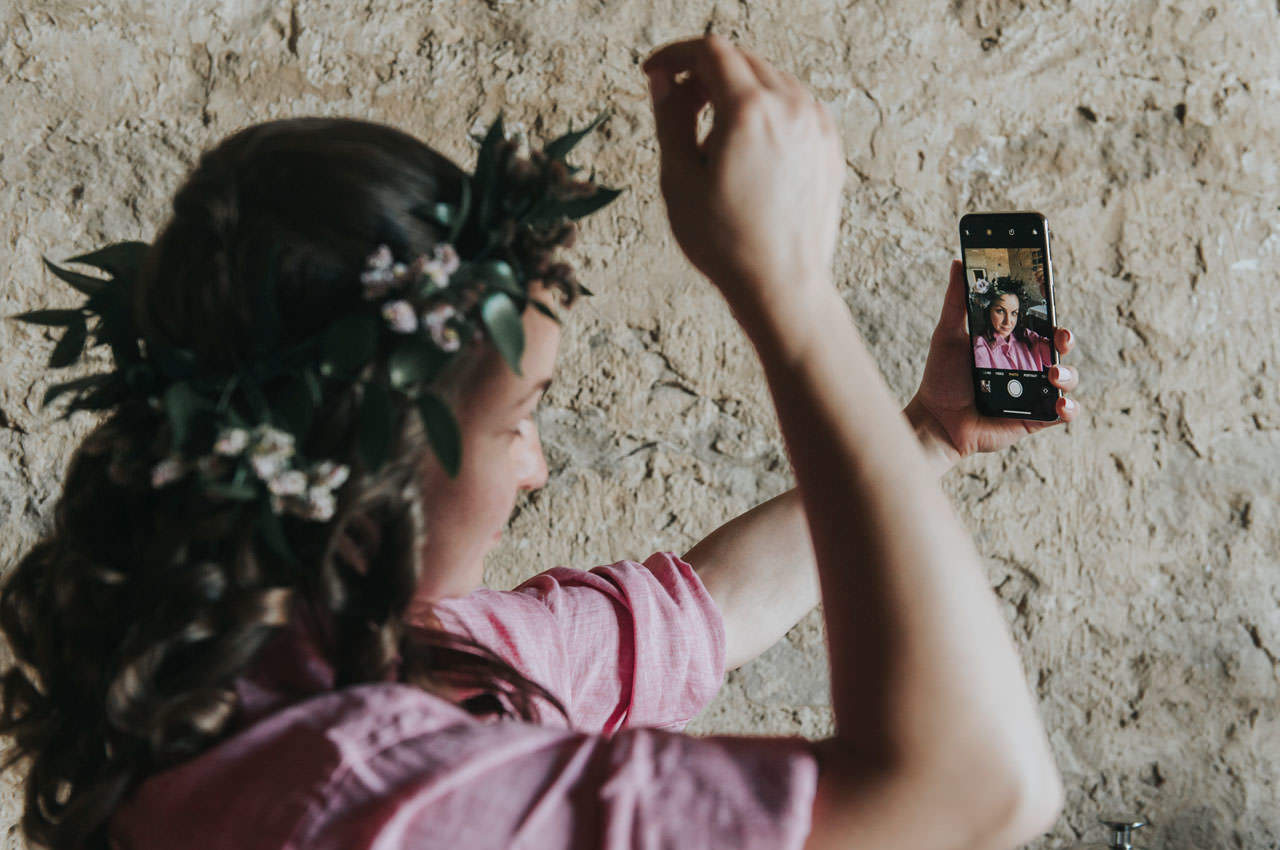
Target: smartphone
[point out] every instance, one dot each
(1009, 285)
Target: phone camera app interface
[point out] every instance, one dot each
(1010, 329)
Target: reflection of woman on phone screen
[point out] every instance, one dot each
(1003, 343)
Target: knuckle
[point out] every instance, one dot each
(716, 43)
(754, 104)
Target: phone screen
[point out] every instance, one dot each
(1009, 286)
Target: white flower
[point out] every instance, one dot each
(436, 272)
(380, 258)
(380, 275)
(268, 466)
(271, 451)
(288, 483)
(377, 283)
(448, 257)
(329, 475)
(980, 285)
(271, 439)
(444, 337)
(320, 504)
(231, 441)
(167, 471)
(399, 314)
(438, 266)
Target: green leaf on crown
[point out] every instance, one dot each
(463, 212)
(259, 407)
(313, 386)
(449, 215)
(578, 207)
(293, 406)
(119, 259)
(550, 209)
(70, 386)
(242, 492)
(485, 180)
(51, 317)
(502, 321)
(104, 396)
(442, 430)
(268, 525)
(375, 426)
(84, 283)
(174, 363)
(443, 214)
(413, 361)
(560, 148)
(182, 404)
(544, 309)
(499, 275)
(70, 347)
(348, 345)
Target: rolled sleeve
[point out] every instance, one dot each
(623, 644)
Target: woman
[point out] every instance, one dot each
(178, 683)
(1002, 343)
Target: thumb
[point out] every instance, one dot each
(675, 113)
(952, 322)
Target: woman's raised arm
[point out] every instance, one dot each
(938, 741)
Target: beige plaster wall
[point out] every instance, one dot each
(1136, 550)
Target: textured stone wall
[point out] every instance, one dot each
(1136, 550)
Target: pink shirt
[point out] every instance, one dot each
(634, 651)
(1012, 353)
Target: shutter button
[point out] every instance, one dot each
(1014, 387)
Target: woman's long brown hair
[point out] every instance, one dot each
(131, 619)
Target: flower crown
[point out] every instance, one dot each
(240, 437)
(986, 292)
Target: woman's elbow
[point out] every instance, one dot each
(1035, 807)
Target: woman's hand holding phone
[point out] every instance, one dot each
(944, 404)
(755, 207)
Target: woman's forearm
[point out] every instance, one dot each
(925, 678)
(760, 567)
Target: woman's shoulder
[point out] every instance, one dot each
(271, 772)
(345, 719)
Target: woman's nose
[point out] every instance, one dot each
(535, 476)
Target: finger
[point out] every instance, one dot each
(782, 82)
(1064, 377)
(769, 76)
(952, 321)
(718, 64)
(676, 122)
(1068, 409)
(1063, 340)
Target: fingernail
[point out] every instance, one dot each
(1070, 406)
(1062, 373)
(659, 85)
